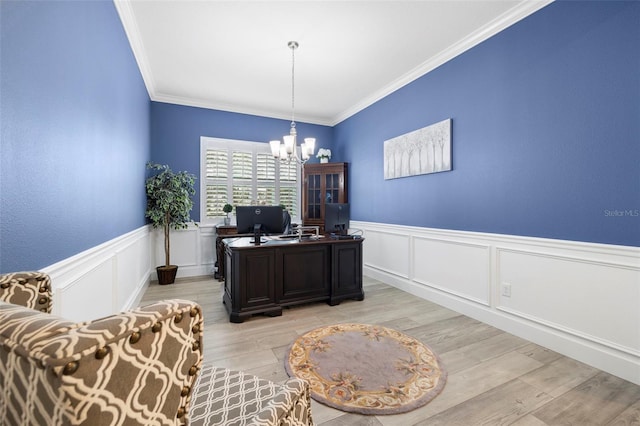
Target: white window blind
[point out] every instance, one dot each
(244, 173)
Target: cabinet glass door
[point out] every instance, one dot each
(314, 193)
(332, 188)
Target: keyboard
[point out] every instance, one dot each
(341, 237)
(287, 237)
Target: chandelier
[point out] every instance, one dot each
(287, 150)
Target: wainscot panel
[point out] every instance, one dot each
(437, 264)
(183, 247)
(207, 247)
(579, 299)
(588, 299)
(192, 249)
(133, 268)
(391, 252)
(103, 280)
(84, 298)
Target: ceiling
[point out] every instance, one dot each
(233, 55)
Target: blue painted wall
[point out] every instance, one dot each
(176, 132)
(74, 135)
(546, 133)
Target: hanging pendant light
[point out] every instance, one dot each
(287, 150)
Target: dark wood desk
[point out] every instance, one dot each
(222, 231)
(264, 278)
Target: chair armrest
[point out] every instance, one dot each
(23, 329)
(28, 289)
(290, 406)
(136, 366)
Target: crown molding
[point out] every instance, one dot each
(123, 7)
(199, 103)
(514, 15)
(125, 11)
(504, 21)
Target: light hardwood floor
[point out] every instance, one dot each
(494, 378)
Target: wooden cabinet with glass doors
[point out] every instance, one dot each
(322, 183)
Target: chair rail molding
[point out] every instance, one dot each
(576, 298)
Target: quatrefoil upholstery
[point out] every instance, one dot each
(133, 368)
(140, 367)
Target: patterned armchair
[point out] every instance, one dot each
(136, 367)
(232, 398)
(141, 367)
(28, 289)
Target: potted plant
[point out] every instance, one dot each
(227, 209)
(324, 154)
(169, 205)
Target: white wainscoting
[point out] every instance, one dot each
(192, 249)
(113, 276)
(103, 280)
(579, 299)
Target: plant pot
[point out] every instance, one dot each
(227, 221)
(167, 274)
(324, 160)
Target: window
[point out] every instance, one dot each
(244, 173)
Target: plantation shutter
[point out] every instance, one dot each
(216, 172)
(266, 179)
(242, 174)
(289, 187)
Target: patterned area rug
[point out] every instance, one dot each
(366, 369)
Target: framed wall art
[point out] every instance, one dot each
(423, 151)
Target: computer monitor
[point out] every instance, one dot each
(259, 220)
(336, 218)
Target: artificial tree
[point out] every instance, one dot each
(169, 205)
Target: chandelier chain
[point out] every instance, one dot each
(287, 151)
(293, 82)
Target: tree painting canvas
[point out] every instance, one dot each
(423, 151)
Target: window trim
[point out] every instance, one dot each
(254, 147)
